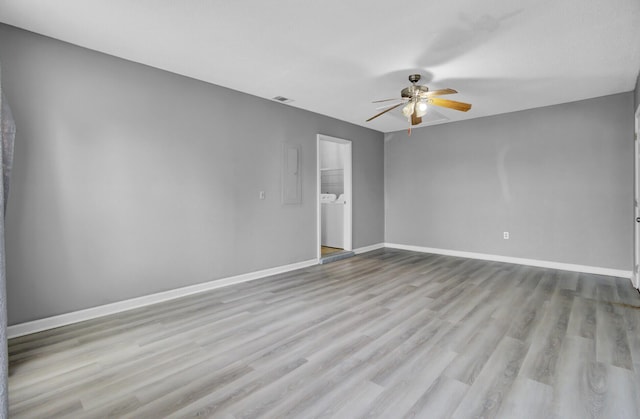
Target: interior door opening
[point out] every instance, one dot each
(334, 198)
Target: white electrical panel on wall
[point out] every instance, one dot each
(291, 178)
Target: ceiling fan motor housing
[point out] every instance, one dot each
(414, 90)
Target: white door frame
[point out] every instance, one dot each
(348, 192)
(635, 277)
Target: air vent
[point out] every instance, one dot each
(283, 99)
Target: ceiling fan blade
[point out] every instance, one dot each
(385, 111)
(434, 116)
(415, 120)
(440, 92)
(385, 106)
(386, 100)
(452, 104)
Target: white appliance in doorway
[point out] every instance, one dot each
(332, 220)
(334, 193)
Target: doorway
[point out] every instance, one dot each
(334, 197)
(635, 277)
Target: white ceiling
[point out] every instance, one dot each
(334, 57)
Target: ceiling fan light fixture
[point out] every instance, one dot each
(407, 110)
(421, 108)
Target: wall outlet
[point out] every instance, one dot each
(505, 235)
(261, 195)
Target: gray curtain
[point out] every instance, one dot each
(7, 136)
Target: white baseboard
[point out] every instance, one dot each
(120, 306)
(368, 248)
(519, 261)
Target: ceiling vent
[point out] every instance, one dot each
(283, 99)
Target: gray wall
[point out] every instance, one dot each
(129, 180)
(559, 179)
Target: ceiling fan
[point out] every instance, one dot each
(416, 99)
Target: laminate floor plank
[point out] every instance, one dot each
(319, 338)
(55, 409)
(580, 384)
(216, 401)
(117, 364)
(525, 320)
(409, 357)
(632, 323)
(404, 389)
(389, 333)
(485, 396)
(130, 383)
(587, 286)
(356, 404)
(457, 309)
(467, 366)
(612, 345)
(582, 320)
(315, 375)
(542, 356)
(313, 398)
(60, 388)
(439, 400)
(527, 399)
(529, 278)
(569, 280)
(458, 336)
(164, 397)
(621, 399)
(38, 388)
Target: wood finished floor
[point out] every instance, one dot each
(389, 334)
(326, 250)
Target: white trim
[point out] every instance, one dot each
(519, 261)
(635, 280)
(348, 193)
(368, 248)
(120, 306)
(318, 203)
